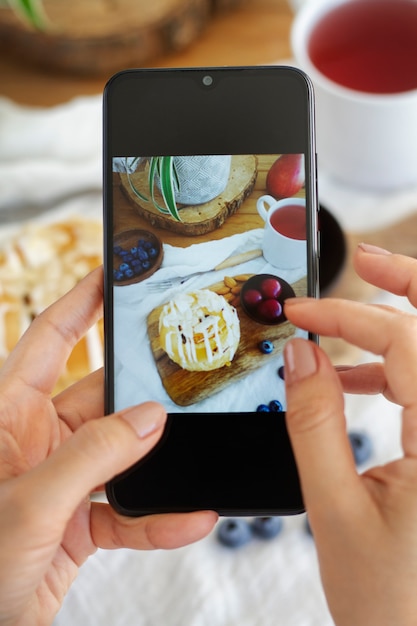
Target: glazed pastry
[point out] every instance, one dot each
(38, 265)
(199, 331)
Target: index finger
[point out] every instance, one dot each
(41, 354)
(392, 272)
(381, 331)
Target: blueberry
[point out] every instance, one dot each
(263, 408)
(142, 254)
(234, 532)
(124, 266)
(117, 250)
(147, 245)
(275, 406)
(129, 273)
(134, 251)
(117, 275)
(281, 372)
(146, 265)
(266, 346)
(361, 446)
(152, 252)
(267, 527)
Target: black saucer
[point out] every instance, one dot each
(333, 249)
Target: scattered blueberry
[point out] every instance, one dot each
(267, 527)
(275, 406)
(361, 446)
(281, 372)
(234, 532)
(266, 346)
(263, 408)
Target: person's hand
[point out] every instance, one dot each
(53, 453)
(365, 526)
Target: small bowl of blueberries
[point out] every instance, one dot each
(137, 254)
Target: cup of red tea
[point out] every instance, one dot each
(362, 58)
(284, 239)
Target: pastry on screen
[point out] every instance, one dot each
(199, 331)
(38, 264)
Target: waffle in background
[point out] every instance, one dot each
(38, 264)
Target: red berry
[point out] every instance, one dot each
(270, 288)
(270, 310)
(252, 297)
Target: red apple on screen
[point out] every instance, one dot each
(286, 176)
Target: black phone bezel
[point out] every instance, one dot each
(235, 465)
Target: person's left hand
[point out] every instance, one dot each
(54, 452)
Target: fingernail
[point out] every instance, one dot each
(343, 368)
(145, 419)
(368, 247)
(300, 360)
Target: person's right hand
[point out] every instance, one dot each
(365, 526)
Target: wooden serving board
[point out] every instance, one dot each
(99, 38)
(202, 218)
(186, 388)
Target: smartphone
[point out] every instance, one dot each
(210, 204)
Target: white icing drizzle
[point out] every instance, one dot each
(201, 317)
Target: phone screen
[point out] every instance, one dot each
(203, 248)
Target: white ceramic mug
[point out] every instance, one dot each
(281, 251)
(363, 139)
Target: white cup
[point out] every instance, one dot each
(279, 250)
(363, 139)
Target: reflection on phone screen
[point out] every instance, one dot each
(206, 249)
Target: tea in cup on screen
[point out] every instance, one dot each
(284, 239)
(362, 58)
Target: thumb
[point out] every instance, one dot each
(316, 426)
(97, 451)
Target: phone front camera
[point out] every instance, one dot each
(207, 80)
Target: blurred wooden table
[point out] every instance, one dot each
(256, 32)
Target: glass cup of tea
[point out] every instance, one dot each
(284, 239)
(362, 58)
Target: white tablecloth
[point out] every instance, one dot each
(52, 159)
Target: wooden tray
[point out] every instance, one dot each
(92, 37)
(186, 388)
(204, 218)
